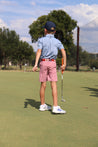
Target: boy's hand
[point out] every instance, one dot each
(63, 67)
(35, 68)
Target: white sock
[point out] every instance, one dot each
(43, 105)
(55, 106)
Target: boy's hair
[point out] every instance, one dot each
(50, 32)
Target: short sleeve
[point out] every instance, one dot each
(39, 44)
(60, 45)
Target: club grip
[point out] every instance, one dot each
(62, 64)
(62, 61)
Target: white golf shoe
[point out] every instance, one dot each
(44, 107)
(58, 110)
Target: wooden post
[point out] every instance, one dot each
(77, 62)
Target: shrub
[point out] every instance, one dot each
(94, 63)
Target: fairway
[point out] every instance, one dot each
(22, 125)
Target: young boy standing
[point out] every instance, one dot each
(47, 53)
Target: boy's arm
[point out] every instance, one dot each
(37, 59)
(64, 58)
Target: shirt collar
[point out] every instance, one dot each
(50, 35)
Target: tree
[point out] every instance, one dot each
(24, 53)
(12, 49)
(64, 27)
(1, 55)
(84, 57)
(8, 43)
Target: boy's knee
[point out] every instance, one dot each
(43, 85)
(53, 85)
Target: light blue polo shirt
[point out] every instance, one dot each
(49, 46)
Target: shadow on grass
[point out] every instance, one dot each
(94, 91)
(32, 103)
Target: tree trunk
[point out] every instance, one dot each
(20, 65)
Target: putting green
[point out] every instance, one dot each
(22, 125)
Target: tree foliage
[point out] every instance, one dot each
(64, 27)
(12, 49)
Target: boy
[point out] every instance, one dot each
(47, 52)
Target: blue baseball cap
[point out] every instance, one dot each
(50, 26)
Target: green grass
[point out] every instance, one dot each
(22, 125)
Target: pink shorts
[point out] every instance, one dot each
(48, 71)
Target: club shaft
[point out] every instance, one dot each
(62, 83)
(62, 87)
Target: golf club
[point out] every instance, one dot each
(63, 100)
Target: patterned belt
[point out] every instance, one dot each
(47, 59)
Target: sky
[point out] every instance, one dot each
(19, 14)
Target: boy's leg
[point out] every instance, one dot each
(43, 106)
(54, 92)
(56, 109)
(42, 92)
